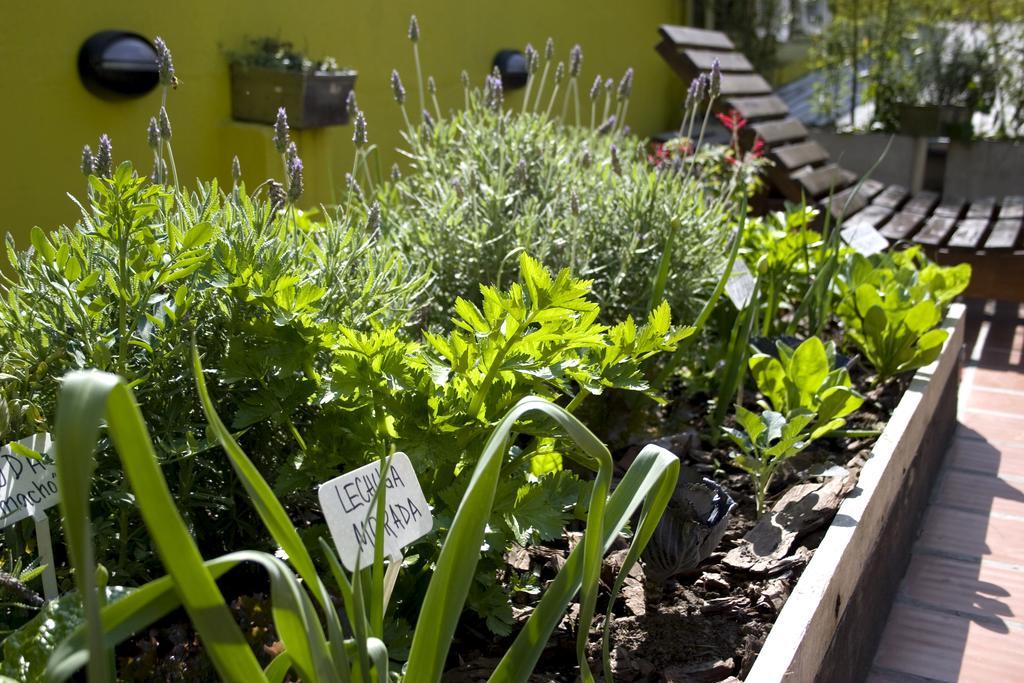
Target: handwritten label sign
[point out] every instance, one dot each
(349, 506)
(27, 485)
(864, 238)
(740, 285)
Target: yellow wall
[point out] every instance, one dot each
(47, 115)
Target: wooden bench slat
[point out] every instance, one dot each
(851, 200)
(949, 209)
(775, 133)
(687, 36)
(823, 180)
(982, 208)
(874, 215)
(1012, 207)
(935, 230)
(891, 197)
(744, 84)
(902, 225)
(703, 60)
(759, 107)
(1005, 234)
(800, 154)
(968, 233)
(922, 203)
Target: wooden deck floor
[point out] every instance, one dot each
(959, 614)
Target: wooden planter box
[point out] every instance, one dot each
(829, 628)
(313, 99)
(936, 121)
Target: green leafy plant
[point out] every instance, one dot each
(147, 267)
(805, 381)
(766, 440)
(891, 305)
(273, 53)
(88, 399)
(439, 400)
(490, 182)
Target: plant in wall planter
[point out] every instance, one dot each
(272, 74)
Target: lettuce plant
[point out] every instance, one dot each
(805, 380)
(891, 305)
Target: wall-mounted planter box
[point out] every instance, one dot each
(829, 628)
(314, 99)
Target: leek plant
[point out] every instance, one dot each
(317, 647)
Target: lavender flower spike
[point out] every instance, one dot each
(607, 126)
(373, 216)
(359, 130)
(549, 49)
(559, 73)
(236, 170)
(104, 161)
(428, 120)
(431, 85)
(626, 84)
(165, 124)
(164, 63)
(532, 58)
(702, 87)
(575, 60)
(715, 83)
(294, 179)
(152, 134)
(87, 161)
(616, 164)
(397, 89)
(596, 87)
(414, 29)
(281, 131)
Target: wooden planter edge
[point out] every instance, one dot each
(830, 625)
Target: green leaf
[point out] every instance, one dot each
(87, 399)
(770, 378)
(808, 369)
(198, 235)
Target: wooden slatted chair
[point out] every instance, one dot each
(987, 233)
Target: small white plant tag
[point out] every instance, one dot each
(349, 507)
(28, 487)
(864, 239)
(740, 285)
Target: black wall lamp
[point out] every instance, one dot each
(118, 65)
(512, 67)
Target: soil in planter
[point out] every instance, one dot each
(706, 627)
(710, 626)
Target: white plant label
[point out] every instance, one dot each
(27, 486)
(740, 285)
(864, 239)
(348, 505)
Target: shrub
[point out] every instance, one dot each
(489, 183)
(145, 269)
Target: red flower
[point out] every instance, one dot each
(732, 121)
(758, 149)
